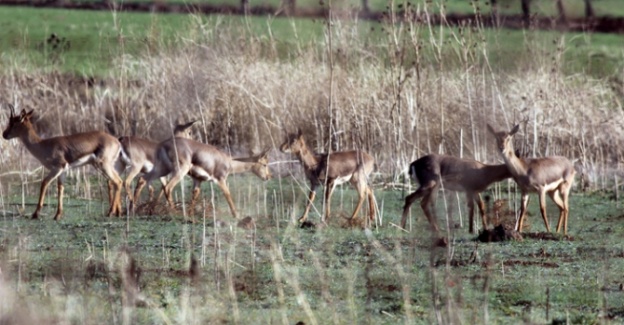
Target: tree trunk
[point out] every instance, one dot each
(561, 10)
(526, 12)
(291, 7)
(495, 15)
(365, 7)
(109, 4)
(244, 7)
(589, 10)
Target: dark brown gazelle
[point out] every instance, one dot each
(203, 162)
(455, 174)
(332, 170)
(139, 155)
(58, 154)
(552, 175)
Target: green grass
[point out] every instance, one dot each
(92, 43)
(341, 273)
(574, 8)
(91, 40)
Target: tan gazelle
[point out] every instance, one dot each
(203, 162)
(58, 154)
(139, 155)
(455, 174)
(333, 169)
(552, 175)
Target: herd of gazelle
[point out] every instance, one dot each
(179, 156)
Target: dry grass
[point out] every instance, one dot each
(245, 101)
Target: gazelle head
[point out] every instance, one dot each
(261, 165)
(294, 143)
(504, 139)
(18, 124)
(183, 130)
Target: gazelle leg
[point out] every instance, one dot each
(427, 203)
(565, 194)
(361, 189)
(138, 188)
(371, 204)
(410, 199)
(481, 205)
(177, 176)
(311, 197)
(195, 196)
(329, 190)
(163, 182)
(111, 174)
(523, 210)
(542, 204)
(226, 192)
(60, 188)
(134, 171)
(111, 191)
(44, 187)
(470, 200)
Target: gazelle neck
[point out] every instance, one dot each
(307, 158)
(515, 165)
(497, 173)
(237, 167)
(30, 138)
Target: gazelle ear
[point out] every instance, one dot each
(12, 110)
(515, 129)
(25, 115)
(189, 124)
(183, 127)
(28, 115)
(299, 133)
(491, 129)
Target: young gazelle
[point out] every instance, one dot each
(333, 169)
(58, 154)
(203, 162)
(140, 155)
(552, 175)
(455, 174)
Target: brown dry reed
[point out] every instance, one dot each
(394, 101)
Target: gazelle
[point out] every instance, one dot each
(203, 162)
(549, 175)
(58, 154)
(333, 169)
(141, 156)
(455, 174)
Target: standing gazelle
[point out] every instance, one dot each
(61, 153)
(140, 155)
(549, 175)
(333, 169)
(455, 174)
(203, 162)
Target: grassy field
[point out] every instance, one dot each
(158, 269)
(93, 43)
(574, 8)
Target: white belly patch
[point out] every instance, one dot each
(343, 179)
(82, 161)
(148, 166)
